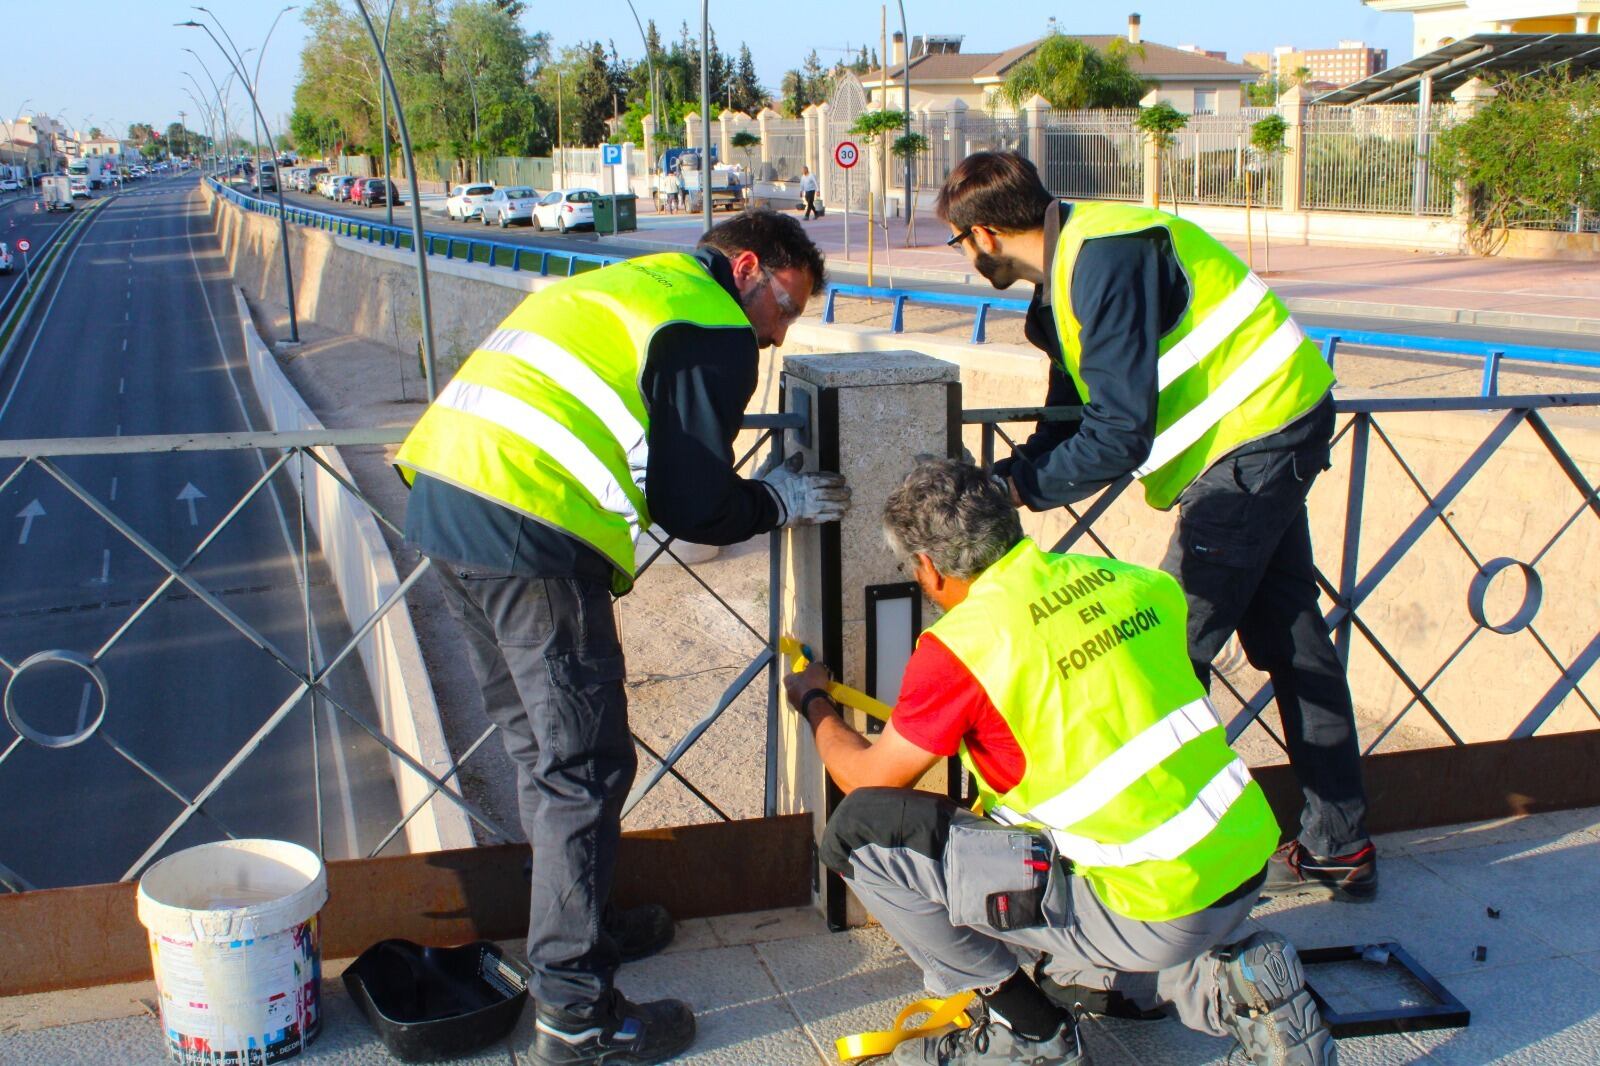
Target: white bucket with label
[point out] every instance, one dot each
(237, 951)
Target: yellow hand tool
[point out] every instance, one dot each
(941, 1013)
(844, 694)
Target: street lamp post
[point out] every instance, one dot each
(905, 86)
(650, 60)
(383, 120)
(283, 218)
(11, 139)
(417, 240)
(705, 113)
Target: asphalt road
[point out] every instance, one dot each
(140, 336)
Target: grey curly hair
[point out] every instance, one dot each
(953, 513)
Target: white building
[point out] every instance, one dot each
(1435, 23)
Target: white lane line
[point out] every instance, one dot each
(341, 769)
(113, 490)
(122, 386)
(119, 429)
(127, 317)
(124, 344)
(105, 566)
(83, 706)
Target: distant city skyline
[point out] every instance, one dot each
(121, 63)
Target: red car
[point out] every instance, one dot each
(355, 189)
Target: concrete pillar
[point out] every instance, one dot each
(871, 414)
(959, 148)
(830, 180)
(808, 117)
(1470, 97)
(1034, 113)
(764, 119)
(693, 135)
(725, 135)
(1294, 105)
(649, 125)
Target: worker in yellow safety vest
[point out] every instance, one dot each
(604, 403)
(1120, 835)
(1194, 379)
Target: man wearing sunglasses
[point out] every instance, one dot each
(1195, 380)
(604, 403)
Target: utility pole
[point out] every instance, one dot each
(905, 86)
(561, 152)
(184, 129)
(383, 117)
(705, 112)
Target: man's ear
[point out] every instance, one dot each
(986, 240)
(746, 267)
(936, 579)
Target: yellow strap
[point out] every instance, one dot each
(940, 1012)
(844, 694)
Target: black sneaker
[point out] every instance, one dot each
(1293, 870)
(986, 1042)
(1081, 999)
(639, 931)
(614, 1032)
(1267, 1006)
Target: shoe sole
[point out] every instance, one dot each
(1271, 969)
(621, 1057)
(1340, 892)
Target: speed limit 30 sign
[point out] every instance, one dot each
(846, 154)
(23, 245)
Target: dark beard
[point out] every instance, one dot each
(1001, 272)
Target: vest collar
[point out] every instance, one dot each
(720, 269)
(1053, 221)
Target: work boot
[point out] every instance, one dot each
(1081, 999)
(1293, 870)
(613, 1032)
(1267, 1007)
(639, 931)
(989, 1042)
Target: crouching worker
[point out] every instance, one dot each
(1122, 838)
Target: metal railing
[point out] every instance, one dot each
(514, 257)
(1211, 161)
(1094, 155)
(1356, 585)
(1375, 160)
(292, 458)
(898, 298)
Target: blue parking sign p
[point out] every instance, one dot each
(611, 155)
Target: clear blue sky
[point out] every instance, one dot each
(120, 61)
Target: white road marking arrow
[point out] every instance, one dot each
(28, 514)
(189, 495)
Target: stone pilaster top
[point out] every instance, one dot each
(862, 369)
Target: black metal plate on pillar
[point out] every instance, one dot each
(826, 422)
(900, 590)
(959, 785)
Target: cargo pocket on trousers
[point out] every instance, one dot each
(588, 710)
(996, 877)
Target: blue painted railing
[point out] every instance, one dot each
(469, 249)
(1493, 354)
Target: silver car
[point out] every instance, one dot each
(514, 203)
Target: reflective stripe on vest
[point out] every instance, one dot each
(547, 418)
(1234, 368)
(1127, 766)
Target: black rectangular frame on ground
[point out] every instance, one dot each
(1447, 1012)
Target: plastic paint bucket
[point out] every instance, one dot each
(237, 951)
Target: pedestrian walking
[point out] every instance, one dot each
(1194, 379)
(808, 190)
(603, 403)
(1121, 840)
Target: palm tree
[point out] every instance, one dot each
(1074, 75)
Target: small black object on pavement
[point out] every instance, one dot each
(1446, 1012)
(433, 1004)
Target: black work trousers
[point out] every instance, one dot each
(1242, 551)
(546, 653)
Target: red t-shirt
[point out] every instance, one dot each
(942, 705)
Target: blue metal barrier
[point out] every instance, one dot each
(475, 250)
(1493, 354)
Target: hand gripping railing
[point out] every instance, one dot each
(295, 454)
(515, 257)
(1353, 587)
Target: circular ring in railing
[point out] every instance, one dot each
(52, 740)
(1532, 595)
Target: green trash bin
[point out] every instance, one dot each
(627, 217)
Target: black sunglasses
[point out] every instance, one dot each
(955, 242)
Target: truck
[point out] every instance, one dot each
(55, 192)
(726, 189)
(98, 172)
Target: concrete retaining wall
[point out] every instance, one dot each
(1515, 504)
(364, 573)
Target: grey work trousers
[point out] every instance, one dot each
(546, 654)
(923, 867)
(1242, 552)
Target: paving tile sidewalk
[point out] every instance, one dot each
(1341, 279)
(775, 988)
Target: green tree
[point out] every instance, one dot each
(1161, 123)
(745, 90)
(1530, 158)
(1269, 139)
(910, 146)
(1072, 75)
(746, 142)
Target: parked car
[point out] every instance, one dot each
(340, 188)
(565, 209)
(514, 203)
(10, 185)
(80, 188)
(325, 183)
(313, 175)
(5, 258)
(466, 201)
(375, 191)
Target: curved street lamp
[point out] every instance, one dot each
(283, 218)
(650, 61)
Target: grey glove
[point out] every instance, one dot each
(806, 498)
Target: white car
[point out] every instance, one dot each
(514, 203)
(10, 185)
(565, 209)
(80, 188)
(466, 201)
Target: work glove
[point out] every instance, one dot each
(806, 499)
